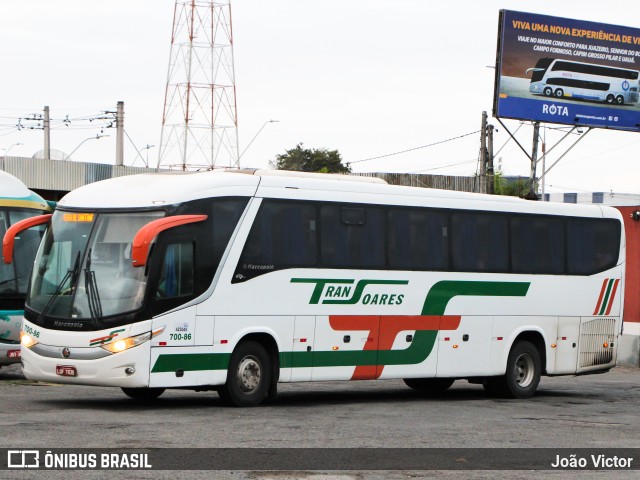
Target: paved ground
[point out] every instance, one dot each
(598, 411)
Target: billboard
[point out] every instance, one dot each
(567, 71)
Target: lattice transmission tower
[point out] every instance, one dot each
(200, 121)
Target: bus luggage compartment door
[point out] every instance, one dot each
(567, 345)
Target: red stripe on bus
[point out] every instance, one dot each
(383, 329)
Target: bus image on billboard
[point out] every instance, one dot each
(553, 77)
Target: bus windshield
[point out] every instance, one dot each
(14, 277)
(83, 269)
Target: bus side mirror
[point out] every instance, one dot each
(14, 230)
(143, 238)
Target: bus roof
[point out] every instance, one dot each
(14, 193)
(171, 188)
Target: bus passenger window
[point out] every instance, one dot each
(418, 239)
(537, 245)
(480, 242)
(176, 279)
(352, 237)
(284, 235)
(592, 245)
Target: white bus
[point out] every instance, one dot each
(554, 77)
(17, 205)
(237, 281)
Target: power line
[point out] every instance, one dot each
(415, 148)
(439, 167)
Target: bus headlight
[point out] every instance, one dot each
(130, 342)
(27, 341)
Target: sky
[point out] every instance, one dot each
(369, 78)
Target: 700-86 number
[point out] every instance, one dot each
(179, 336)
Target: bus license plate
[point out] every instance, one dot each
(13, 354)
(66, 370)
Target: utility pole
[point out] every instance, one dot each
(120, 134)
(490, 172)
(534, 159)
(47, 137)
(544, 167)
(483, 153)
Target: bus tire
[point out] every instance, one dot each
(522, 376)
(248, 376)
(548, 91)
(559, 93)
(429, 385)
(620, 100)
(143, 394)
(610, 99)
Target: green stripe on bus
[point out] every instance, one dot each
(440, 294)
(417, 352)
(191, 362)
(605, 300)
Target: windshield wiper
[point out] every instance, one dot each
(14, 279)
(8, 280)
(93, 297)
(71, 274)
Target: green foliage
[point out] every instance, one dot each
(318, 160)
(516, 188)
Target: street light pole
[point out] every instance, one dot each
(86, 139)
(10, 147)
(147, 149)
(254, 137)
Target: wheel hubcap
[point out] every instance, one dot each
(249, 374)
(524, 371)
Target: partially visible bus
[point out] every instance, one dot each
(235, 282)
(554, 77)
(17, 203)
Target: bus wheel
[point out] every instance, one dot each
(610, 99)
(143, 394)
(429, 385)
(547, 91)
(248, 377)
(559, 93)
(523, 373)
(620, 100)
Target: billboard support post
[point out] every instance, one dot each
(567, 151)
(534, 160)
(490, 170)
(545, 152)
(483, 152)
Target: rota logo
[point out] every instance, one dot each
(344, 292)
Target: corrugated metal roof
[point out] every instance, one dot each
(38, 173)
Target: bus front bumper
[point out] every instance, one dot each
(129, 368)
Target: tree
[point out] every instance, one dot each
(318, 160)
